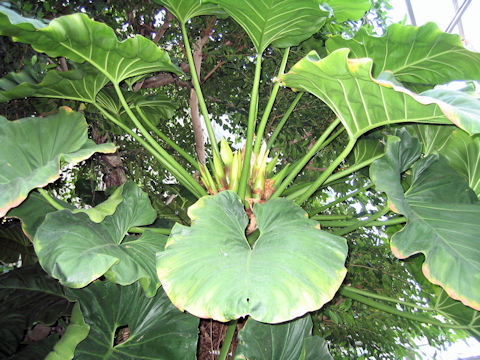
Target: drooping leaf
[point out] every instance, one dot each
(210, 270)
(83, 40)
(279, 342)
(27, 295)
(344, 10)
(30, 156)
(363, 103)
(367, 148)
(82, 84)
(433, 137)
(157, 330)
(442, 213)
(16, 20)
(462, 152)
(76, 250)
(187, 9)
(281, 23)
(76, 332)
(421, 55)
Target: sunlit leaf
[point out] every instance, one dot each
(210, 270)
(76, 250)
(281, 23)
(422, 55)
(344, 10)
(31, 150)
(442, 213)
(157, 330)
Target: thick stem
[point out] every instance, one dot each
(195, 189)
(347, 292)
(305, 159)
(245, 175)
(50, 199)
(196, 86)
(351, 169)
(165, 138)
(316, 184)
(141, 230)
(282, 122)
(339, 200)
(339, 223)
(361, 223)
(271, 101)
(228, 340)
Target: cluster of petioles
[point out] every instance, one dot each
(227, 169)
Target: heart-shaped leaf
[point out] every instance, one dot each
(422, 55)
(157, 330)
(76, 250)
(30, 156)
(210, 270)
(291, 340)
(83, 40)
(442, 213)
(281, 23)
(363, 103)
(187, 9)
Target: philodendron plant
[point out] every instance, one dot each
(251, 250)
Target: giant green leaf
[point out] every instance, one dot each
(27, 296)
(432, 137)
(76, 250)
(422, 55)
(210, 270)
(281, 23)
(158, 331)
(187, 9)
(31, 150)
(83, 40)
(363, 103)
(287, 341)
(442, 219)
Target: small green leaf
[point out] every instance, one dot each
(76, 250)
(158, 331)
(30, 156)
(76, 332)
(442, 213)
(210, 270)
(281, 23)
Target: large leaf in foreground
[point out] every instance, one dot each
(210, 270)
(76, 250)
(281, 23)
(364, 103)
(83, 40)
(442, 213)
(288, 341)
(158, 331)
(422, 55)
(31, 150)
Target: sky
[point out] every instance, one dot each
(442, 12)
